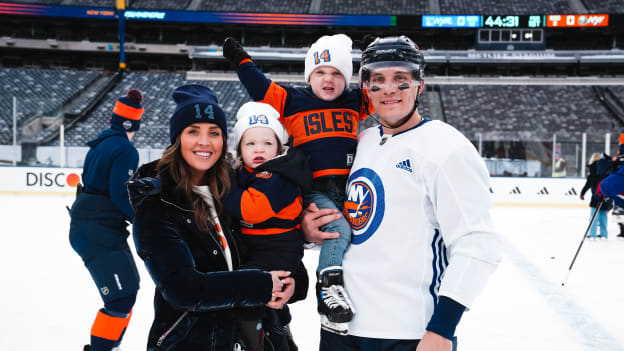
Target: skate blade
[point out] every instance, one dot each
(332, 327)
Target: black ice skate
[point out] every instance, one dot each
(334, 304)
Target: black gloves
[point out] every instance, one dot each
(140, 189)
(233, 51)
(365, 42)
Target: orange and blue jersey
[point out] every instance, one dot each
(268, 203)
(325, 131)
(265, 202)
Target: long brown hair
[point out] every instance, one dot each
(217, 178)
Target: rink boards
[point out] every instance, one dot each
(504, 190)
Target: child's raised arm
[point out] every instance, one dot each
(259, 87)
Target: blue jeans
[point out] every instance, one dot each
(601, 221)
(332, 249)
(334, 342)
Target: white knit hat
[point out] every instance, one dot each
(258, 114)
(335, 51)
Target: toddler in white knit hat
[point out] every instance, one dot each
(266, 199)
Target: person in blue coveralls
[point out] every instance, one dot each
(99, 218)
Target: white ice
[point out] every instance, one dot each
(48, 301)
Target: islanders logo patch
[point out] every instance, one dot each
(365, 204)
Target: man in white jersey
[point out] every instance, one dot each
(419, 206)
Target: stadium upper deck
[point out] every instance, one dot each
(497, 112)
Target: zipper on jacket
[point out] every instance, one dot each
(164, 336)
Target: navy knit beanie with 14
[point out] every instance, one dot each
(195, 104)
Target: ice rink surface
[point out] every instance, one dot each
(48, 301)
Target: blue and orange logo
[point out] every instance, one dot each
(358, 208)
(364, 206)
(264, 175)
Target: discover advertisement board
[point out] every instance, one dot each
(39, 180)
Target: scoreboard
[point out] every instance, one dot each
(515, 21)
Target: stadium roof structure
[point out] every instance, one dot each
(436, 56)
(281, 54)
(434, 79)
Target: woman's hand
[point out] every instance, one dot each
(277, 276)
(313, 219)
(281, 295)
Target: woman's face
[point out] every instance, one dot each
(201, 145)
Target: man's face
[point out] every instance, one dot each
(392, 92)
(327, 83)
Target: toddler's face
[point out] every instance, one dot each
(327, 83)
(258, 145)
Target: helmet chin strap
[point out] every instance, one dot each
(403, 120)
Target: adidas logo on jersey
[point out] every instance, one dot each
(405, 165)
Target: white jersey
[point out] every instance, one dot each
(419, 206)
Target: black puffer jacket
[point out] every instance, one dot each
(196, 298)
(593, 179)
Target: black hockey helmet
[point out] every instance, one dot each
(392, 51)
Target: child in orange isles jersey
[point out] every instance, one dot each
(322, 119)
(266, 198)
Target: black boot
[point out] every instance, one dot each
(621, 235)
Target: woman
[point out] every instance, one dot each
(598, 167)
(184, 238)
